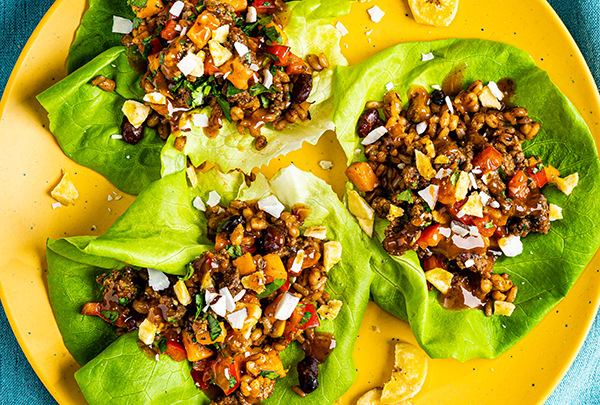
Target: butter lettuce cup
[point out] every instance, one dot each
(476, 178)
(254, 289)
(233, 83)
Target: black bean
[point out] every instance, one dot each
(438, 97)
(131, 134)
(308, 371)
(367, 122)
(273, 239)
(230, 223)
(302, 88)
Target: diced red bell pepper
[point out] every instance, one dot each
(169, 33)
(517, 186)
(228, 380)
(488, 160)
(538, 175)
(431, 236)
(484, 225)
(281, 52)
(434, 262)
(263, 6)
(299, 321)
(176, 351)
(156, 46)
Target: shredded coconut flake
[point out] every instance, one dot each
(158, 280)
(430, 194)
(271, 205)
(368, 32)
(213, 198)
(199, 204)
(121, 25)
(425, 57)
(473, 181)
(241, 49)
(421, 127)
(116, 136)
(376, 14)
(469, 263)
(389, 86)
(449, 104)
(251, 16)
(268, 82)
(374, 135)
(495, 90)
(56, 205)
(200, 120)
(436, 87)
(340, 27)
(176, 8)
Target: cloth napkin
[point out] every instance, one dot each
(19, 385)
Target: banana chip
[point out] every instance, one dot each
(408, 376)
(373, 397)
(410, 370)
(65, 192)
(439, 13)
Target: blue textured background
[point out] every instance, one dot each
(20, 385)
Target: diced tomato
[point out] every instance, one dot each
(434, 262)
(296, 65)
(431, 236)
(281, 52)
(156, 46)
(485, 225)
(538, 175)
(488, 160)
(96, 309)
(517, 186)
(455, 209)
(286, 285)
(176, 351)
(263, 6)
(169, 33)
(230, 380)
(304, 317)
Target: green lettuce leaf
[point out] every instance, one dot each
(83, 118)
(163, 217)
(550, 264)
(122, 373)
(94, 34)
(309, 31)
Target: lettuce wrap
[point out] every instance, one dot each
(550, 264)
(164, 231)
(83, 117)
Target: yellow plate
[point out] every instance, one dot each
(31, 163)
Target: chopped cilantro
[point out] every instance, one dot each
(214, 329)
(225, 107)
(271, 375)
(123, 301)
(112, 316)
(232, 382)
(137, 3)
(271, 288)
(273, 34)
(405, 195)
(259, 88)
(162, 344)
(137, 22)
(232, 90)
(199, 300)
(454, 177)
(305, 318)
(264, 101)
(489, 225)
(234, 251)
(189, 271)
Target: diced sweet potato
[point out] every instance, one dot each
(245, 264)
(274, 268)
(152, 7)
(362, 176)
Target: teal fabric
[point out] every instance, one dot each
(19, 385)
